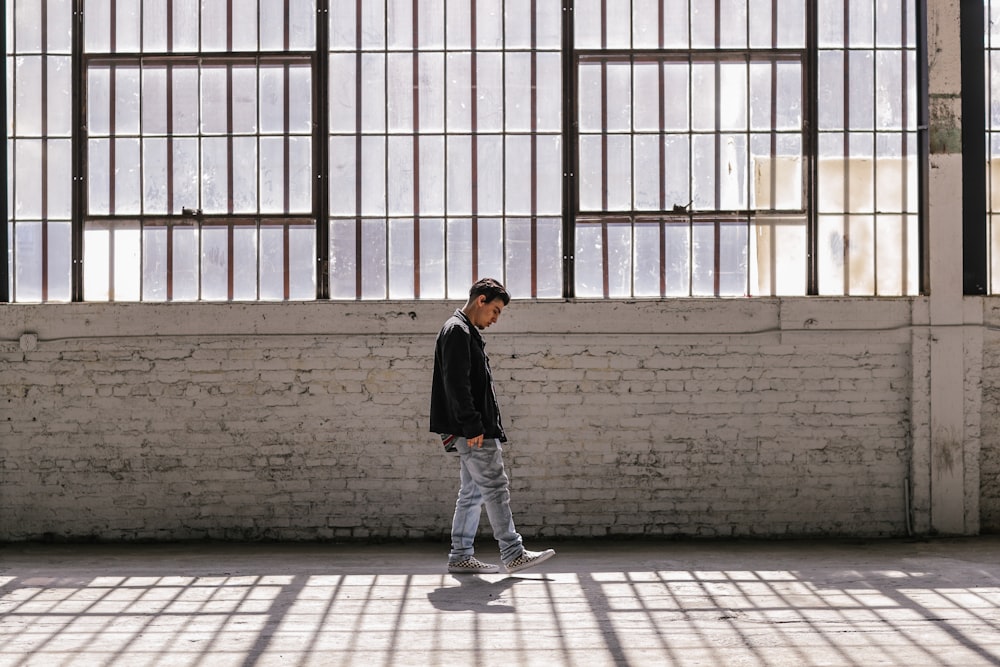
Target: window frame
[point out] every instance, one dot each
(974, 228)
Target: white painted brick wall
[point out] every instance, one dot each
(308, 421)
(989, 459)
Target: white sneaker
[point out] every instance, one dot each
(529, 559)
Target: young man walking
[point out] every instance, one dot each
(465, 413)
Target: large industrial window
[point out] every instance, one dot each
(169, 150)
(39, 148)
(198, 151)
(445, 149)
(699, 173)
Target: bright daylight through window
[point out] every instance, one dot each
(184, 150)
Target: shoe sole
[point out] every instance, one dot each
(474, 570)
(537, 561)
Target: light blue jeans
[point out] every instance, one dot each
(484, 482)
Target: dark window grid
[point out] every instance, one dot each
(417, 132)
(717, 217)
(905, 53)
(284, 61)
(230, 225)
(991, 56)
(870, 128)
(42, 52)
(661, 17)
(170, 27)
(909, 48)
(688, 223)
(773, 58)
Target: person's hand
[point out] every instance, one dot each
(477, 441)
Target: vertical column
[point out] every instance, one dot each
(945, 456)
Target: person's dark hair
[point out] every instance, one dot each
(491, 289)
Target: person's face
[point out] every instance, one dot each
(486, 313)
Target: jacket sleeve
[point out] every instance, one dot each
(456, 361)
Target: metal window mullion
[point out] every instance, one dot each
(690, 148)
(974, 228)
(811, 149)
(358, 147)
(45, 150)
(321, 149)
(876, 214)
(474, 135)
(6, 241)
(112, 147)
(923, 146)
(905, 166)
(416, 161)
(571, 138)
(534, 157)
(605, 255)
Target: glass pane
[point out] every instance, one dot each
(733, 256)
(459, 241)
(185, 177)
(127, 241)
(273, 175)
(677, 267)
(519, 266)
(432, 259)
(343, 176)
(60, 260)
(519, 175)
(128, 187)
(647, 259)
(98, 176)
(460, 174)
(244, 100)
(154, 25)
(703, 267)
(60, 100)
(619, 260)
(432, 175)
(778, 257)
(272, 262)
(154, 263)
(589, 261)
(489, 194)
(302, 262)
(300, 175)
(401, 259)
(28, 178)
(215, 263)
(96, 262)
(27, 266)
(491, 249)
(186, 102)
(300, 91)
(343, 264)
(373, 259)
(244, 175)
(186, 25)
(154, 100)
(98, 101)
(186, 252)
(215, 175)
(244, 262)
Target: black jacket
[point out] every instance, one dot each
(463, 402)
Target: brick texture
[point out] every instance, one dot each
(145, 422)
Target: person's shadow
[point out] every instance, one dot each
(473, 594)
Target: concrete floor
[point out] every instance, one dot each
(597, 603)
